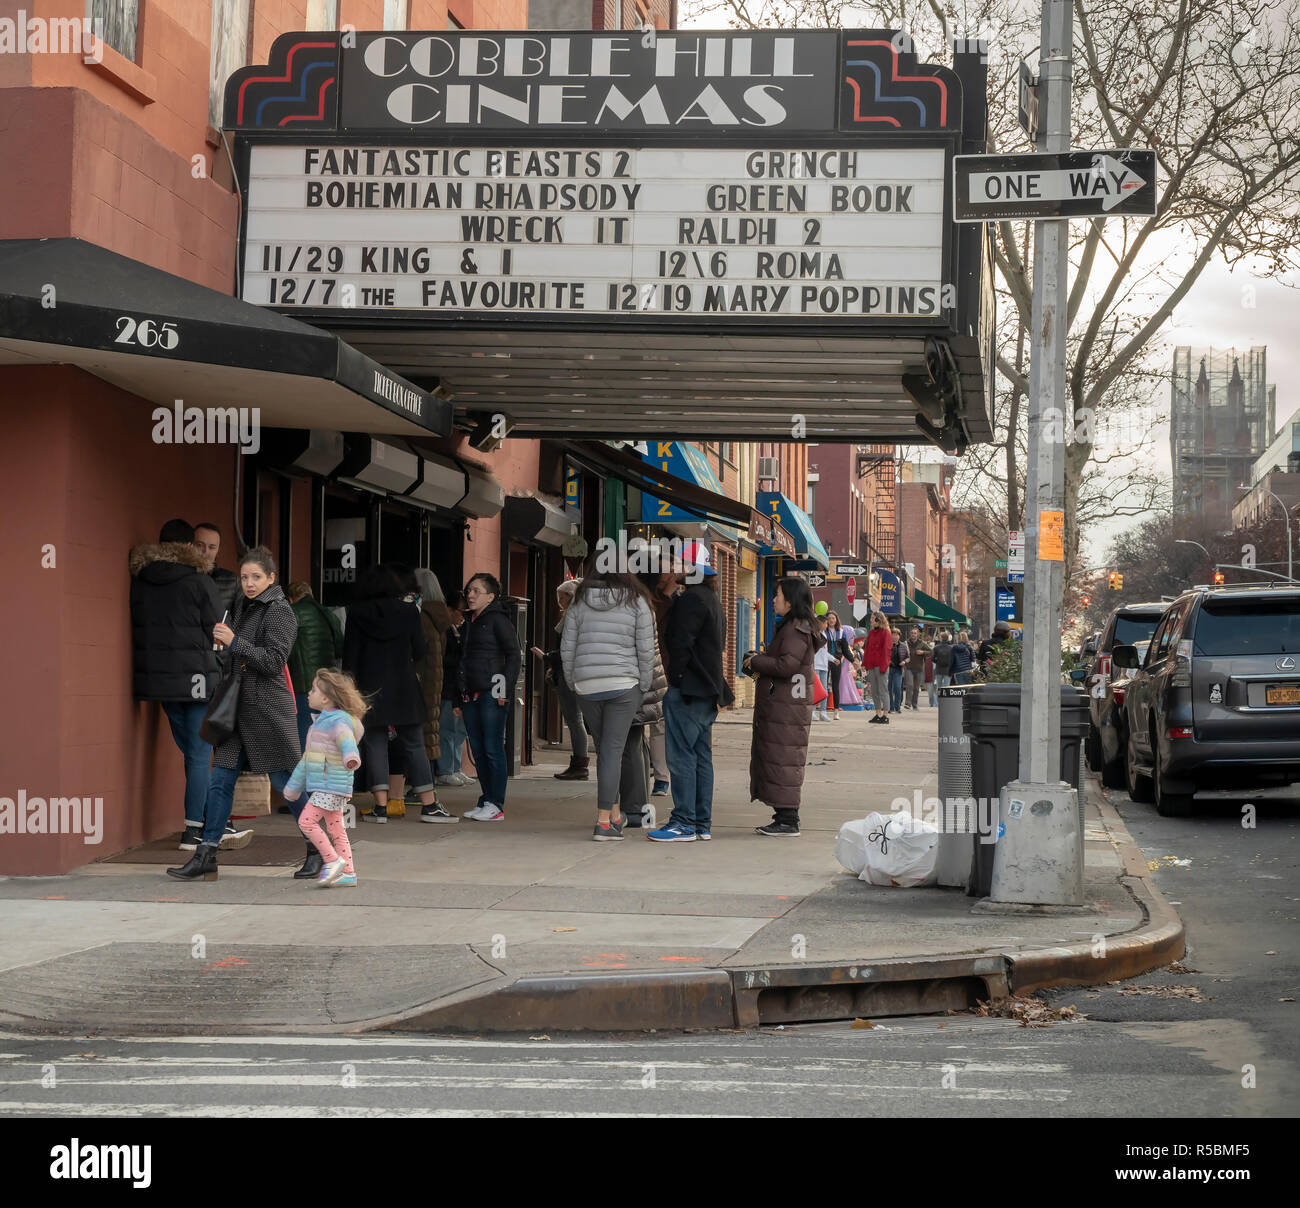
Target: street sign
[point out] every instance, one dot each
(1027, 105)
(851, 590)
(1015, 560)
(851, 568)
(999, 564)
(816, 579)
(1072, 184)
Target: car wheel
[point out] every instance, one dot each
(1170, 805)
(1138, 784)
(1092, 749)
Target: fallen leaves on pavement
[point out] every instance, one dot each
(1191, 993)
(1031, 1012)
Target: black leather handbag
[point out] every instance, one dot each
(219, 722)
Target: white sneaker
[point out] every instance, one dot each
(465, 779)
(450, 780)
(489, 813)
(474, 813)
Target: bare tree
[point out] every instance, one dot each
(1214, 87)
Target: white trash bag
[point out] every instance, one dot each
(851, 846)
(900, 850)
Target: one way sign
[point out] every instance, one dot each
(1076, 184)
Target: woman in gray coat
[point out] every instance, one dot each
(607, 651)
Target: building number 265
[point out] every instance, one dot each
(146, 333)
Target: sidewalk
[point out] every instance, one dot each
(528, 924)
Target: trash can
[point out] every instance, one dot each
(954, 859)
(991, 720)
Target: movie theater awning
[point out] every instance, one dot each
(741, 236)
(68, 302)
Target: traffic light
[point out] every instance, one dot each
(1119, 581)
(1219, 577)
(1085, 600)
(1114, 580)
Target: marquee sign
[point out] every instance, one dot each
(603, 177)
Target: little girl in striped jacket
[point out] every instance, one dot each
(325, 771)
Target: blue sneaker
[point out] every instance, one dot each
(674, 832)
(660, 789)
(702, 834)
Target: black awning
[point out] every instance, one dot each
(610, 462)
(66, 301)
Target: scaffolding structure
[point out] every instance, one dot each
(1220, 420)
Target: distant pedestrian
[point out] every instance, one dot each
(259, 638)
(898, 657)
(918, 649)
(963, 658)
(664, 588)
(451, 724)
(943, 659)
(822, 668)
(325, 772)
(174, 607)
(490, 660)
(875, 658)
(989, 647)
(319, 644)
(783, 708)
(695, 636)
(579, 761)
(383, 645)
(607, 651)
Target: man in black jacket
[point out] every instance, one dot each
(694, 638)
(207, 540)
(174, 607)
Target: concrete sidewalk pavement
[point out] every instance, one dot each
(528, 924)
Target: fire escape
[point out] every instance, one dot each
(882, 463)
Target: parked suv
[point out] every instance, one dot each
(1216, 701)
(1128, 624)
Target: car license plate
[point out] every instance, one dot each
(1282, 696)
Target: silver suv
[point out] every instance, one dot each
(1215, 703)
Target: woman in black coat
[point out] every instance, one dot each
(383, 643)
(259, 638)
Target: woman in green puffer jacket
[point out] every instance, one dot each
(319, 644)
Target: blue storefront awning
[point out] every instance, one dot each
(683, 461)
(794, 519)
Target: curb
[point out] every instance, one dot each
(1158, 941)
(749, 997)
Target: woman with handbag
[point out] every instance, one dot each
(252, 722)
(783, 699)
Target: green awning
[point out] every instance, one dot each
(911, 608)
(937, 610)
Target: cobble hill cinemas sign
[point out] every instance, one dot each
(757, 177)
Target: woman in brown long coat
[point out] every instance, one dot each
(783, 708)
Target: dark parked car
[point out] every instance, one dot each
(1112, 723)
(1215, 703)
(1127, 624)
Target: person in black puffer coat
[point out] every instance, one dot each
(383, 643)
(174, 606)
(488, 673)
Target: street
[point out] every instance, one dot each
(939, 1067)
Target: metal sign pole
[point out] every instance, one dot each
(1039, 858)
(1040, 745)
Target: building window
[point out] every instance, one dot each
(116, 21)
(324, 14)
(395, 14)
(229, 45)
(812, 495)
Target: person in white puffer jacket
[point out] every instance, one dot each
(607, 651)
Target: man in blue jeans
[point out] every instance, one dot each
(174, 605)
(694, 639)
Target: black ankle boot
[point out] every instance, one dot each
(202, 865)
(311, 866)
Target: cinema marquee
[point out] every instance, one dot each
(623, 235)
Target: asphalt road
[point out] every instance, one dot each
(1237, 889)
